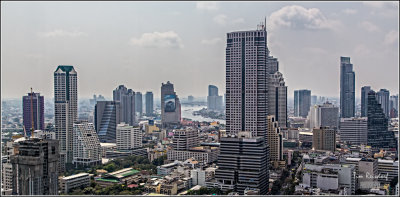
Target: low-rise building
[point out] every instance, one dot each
(203, 154)
(124, 176)
(74, 181)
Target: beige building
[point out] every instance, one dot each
(74, 181)
(324, 139)
(274, 138)
(128, 137)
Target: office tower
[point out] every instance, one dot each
(214, 101)
(106, 117)
(170, 106)
(325, 115)
(149, 103)
(383, 99)
(243, 163)
(185, 139)
(190, 99)
(314, 99)
(274, 139)
(364, 100)
(37, 112)
(378, 134)
(347, 88)
(302, 102)
(126, 98)
(35, 167)
(87, 149)
(324, 139)
(65, 110)
(354, 130)
(277, 98)
(128, 137)
(394, 106)
(139, 103)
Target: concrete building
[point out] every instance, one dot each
(106, 117)
(364, 100)
(198, 177)
(203, 154)
(354, 130)
(214, 101)
(87, 149)
(35, 167)
(387, 170)
(302, 103)
(128, 137)
(37, 112)
(65, 110)
(274, 140)
(325, 115)
(149, 101)
(126, 98)
(51, 135)
(277, 98)
(185, 139)
(170, 106)
(74, 181)
(243, 163)
(368, 174)
(383, 98)
(139, 103)
(347, 88)
(324, 139)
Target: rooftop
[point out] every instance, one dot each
(76, 175)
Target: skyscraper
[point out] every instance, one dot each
(139, 103)
(394, 106)
(170, 106)
(214, 101)
(324, 138)
(275, 141)
(106, 117)
(347, 88)
(378, 134)
(325, 115)
(65, 110)
(87, 149)
(212, 90)
(126, 98)
(383, 99)
(37, 112)
(354, 130)
(314, 99)
(149, 103)
(277, 98)
(128, 137)
(364, 100)
(302, 102)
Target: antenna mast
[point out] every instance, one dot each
(33, 126)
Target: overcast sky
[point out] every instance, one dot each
(142, 44)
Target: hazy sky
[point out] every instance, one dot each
(142, 44)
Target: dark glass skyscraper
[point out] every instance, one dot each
(139, 103)
(149, 103)
(212, 90)
(302, 102)
(347, 88)
(126, 98)
(106, 117)
(37, 112)
(383, 98)
(364, 100)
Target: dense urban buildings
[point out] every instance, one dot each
(302, 103)
(324, 138)
(139, 103)
(383, 99)
(354, 130)
(33, 102)
(325, 115)
(214, 101)
(87, 149)
(65, 110)
(364, 100)
(170, 106)
(126, 98)
(128, 137)
(106, 117)
(347, 88)
(277, 93)
(149, 103)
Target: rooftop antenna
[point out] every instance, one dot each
(33, 126)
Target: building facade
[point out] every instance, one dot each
(126, 98)
(354, 130)
(170, 106)
(128, 137)
(87, 149)
(139, 103)
(383, 98)
(106, 117)
(364, 100)
(274, 139)
(325, 115)
(302, 103)
(277, 98)
(37, 112)
(149, 103)
(347, 88)
(324, 138)
(214, 101)
(74, 181)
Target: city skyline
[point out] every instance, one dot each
(58, 40)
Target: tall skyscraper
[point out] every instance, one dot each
(170, 106)
(128, 137)
(394, 105)
(364, 100)
(87, 149)
(347, 88)
(277, 98)
(378, 134)
(139, 103)
(35, 167)
(325, 115)
(383, 99)
(214, 101)
(354, 130)
(302, 102)
(275, 141)
(106, 117)
(65, 110)
(324, 138)
(37, 112)
(149, 103)
(126, 98)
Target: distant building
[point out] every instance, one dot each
(274, 140)
(139, 103)
(364, 100)
(74, 181)
(149, 103)
(325, 115)
(394, 106)
(324, 139)
(37, 112)
(354, 130)
(314, 100)
(214, 101)
(87, 149)
(107, 115)
(128, 137)
(347, 88)
(190, 99)
(35, 167)
(302, 102)
(383, 99)
(126, 98)
(170, 106)
(277, 98)
(185, 139)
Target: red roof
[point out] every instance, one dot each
(133, 185)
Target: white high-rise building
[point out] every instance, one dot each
(198, 177)
(65, 110)
(87, 148)
(128, 137)
(354, 130)
(326, 115)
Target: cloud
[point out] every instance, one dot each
(167, 39)
(238, 21)
(392, 37)
(370, 27)
(362, 50)
(298, 17)
(206, 5)
(381, 4)
(62, 33)
(223, 20)
(211, 41)
(349, 11)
